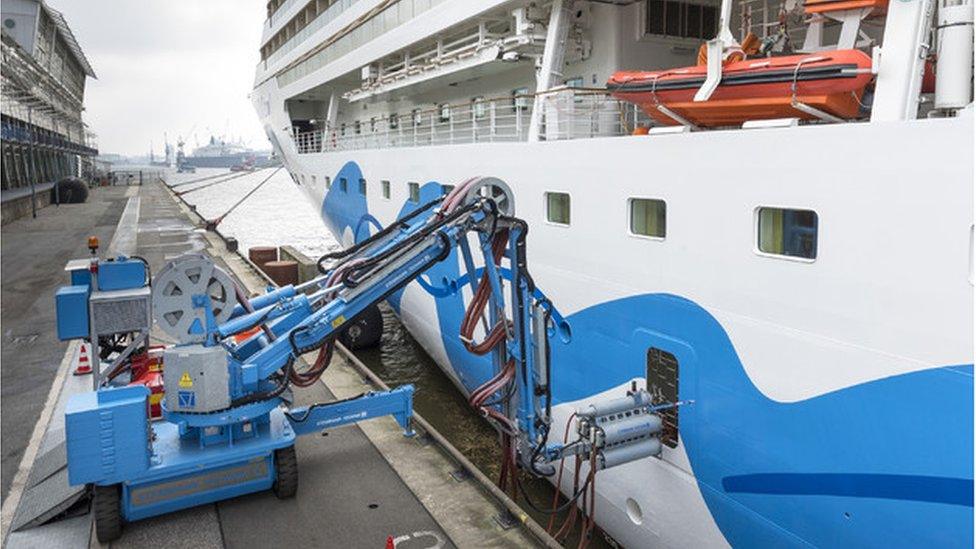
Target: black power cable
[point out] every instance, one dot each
(398, 224)
(556, 510)
(348, 276)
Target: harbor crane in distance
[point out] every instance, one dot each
(228, 427)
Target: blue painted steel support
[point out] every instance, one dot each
(318, 417)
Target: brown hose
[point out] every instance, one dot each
(477, 306)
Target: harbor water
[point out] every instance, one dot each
(399, 359)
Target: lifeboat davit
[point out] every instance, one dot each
(754, 89)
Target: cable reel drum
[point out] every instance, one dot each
(174, 288)
(495, 189)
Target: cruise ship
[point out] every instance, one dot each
(218, 153)
(762, 209)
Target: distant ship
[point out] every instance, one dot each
(222, 154)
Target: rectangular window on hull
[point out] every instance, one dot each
(343, 184)
(648, 217)
(328, 182)
(386, 188)
(362, 186)
(557, 208)
(414, 191)
(680, 19)
(662, 383)
(792, 233)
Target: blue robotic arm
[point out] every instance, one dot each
(226, 401)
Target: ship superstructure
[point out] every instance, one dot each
(219, 153)
(762, 207)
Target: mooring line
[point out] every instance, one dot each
(212, 183)
(199, 180)
(212, 224)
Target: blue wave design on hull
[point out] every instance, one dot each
(883, 463)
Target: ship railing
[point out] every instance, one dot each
(324, 17)
(584, 113)
(568, 113)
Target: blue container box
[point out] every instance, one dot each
(71, 306)
(121, 274)
(108, 435)
(80, 277)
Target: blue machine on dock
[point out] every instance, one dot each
(228, 428)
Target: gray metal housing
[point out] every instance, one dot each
(196, 378)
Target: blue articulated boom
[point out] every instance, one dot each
(227, 427)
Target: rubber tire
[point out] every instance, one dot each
(365, 332)
(107, 505)
(286, 478)
(71, 190)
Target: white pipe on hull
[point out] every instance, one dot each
(954, 68)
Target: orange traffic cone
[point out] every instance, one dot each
(389, 543)
(84, 366)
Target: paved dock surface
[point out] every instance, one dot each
(357, 485)
(34, 253)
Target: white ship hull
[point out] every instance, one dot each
(832, 398)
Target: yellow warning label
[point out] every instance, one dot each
(338, 321)
(186, 381)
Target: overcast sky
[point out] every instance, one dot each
(183, 67)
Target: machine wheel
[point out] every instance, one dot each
(286, 480)
(108, 513)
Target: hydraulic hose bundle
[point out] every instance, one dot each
(476, 308)
(327, 348)
(494, 398)
(517, 398)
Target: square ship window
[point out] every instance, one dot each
(648, 217)
(557, 208)
(792, 233)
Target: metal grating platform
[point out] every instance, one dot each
(46, 500)
(47, 464)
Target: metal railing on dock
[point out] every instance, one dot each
(129, 176)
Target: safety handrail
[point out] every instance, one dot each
(570, 113)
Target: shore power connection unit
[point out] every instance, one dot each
(121, 302)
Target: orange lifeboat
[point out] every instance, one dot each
(755, 89)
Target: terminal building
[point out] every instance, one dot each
(44, 137)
